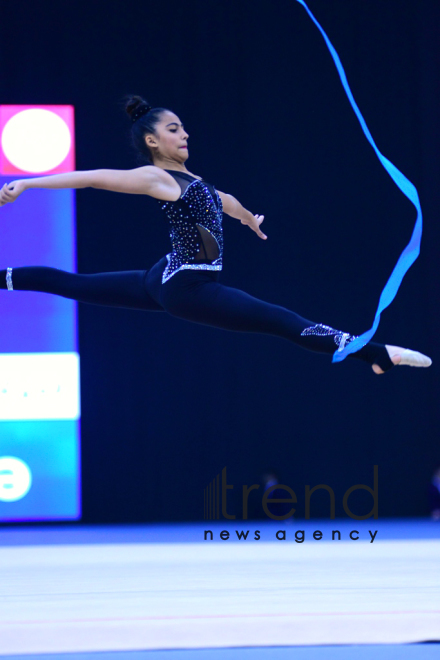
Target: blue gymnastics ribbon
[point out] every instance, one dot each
(412, 250)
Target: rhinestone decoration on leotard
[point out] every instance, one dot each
(321, 330)
(9, 279)
(195, 207)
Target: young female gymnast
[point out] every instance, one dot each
(184, 283)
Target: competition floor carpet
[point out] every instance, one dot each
(162, 591)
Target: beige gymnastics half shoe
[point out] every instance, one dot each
(413, 359)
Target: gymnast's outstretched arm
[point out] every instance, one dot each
(146, 180)
(232, 207)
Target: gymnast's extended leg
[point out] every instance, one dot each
(197, 296)
(115, 289)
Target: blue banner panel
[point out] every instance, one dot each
(39, 365)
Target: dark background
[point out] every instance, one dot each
(167, 404)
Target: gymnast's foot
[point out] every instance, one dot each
(404, 356)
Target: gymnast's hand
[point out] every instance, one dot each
(11, 191)
(254, 223)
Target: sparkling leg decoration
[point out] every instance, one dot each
(9, 279)
(321, 330)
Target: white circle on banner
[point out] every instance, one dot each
(36, 140)
(15, 479)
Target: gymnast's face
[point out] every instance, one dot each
(170, 144)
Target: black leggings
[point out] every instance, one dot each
(193, 295)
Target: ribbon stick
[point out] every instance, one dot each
(412, 250)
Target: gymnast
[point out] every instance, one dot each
(184, 283)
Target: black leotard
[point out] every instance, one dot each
(196, 231)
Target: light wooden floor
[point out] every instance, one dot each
(142, 596)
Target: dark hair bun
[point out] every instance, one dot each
(133, 103)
